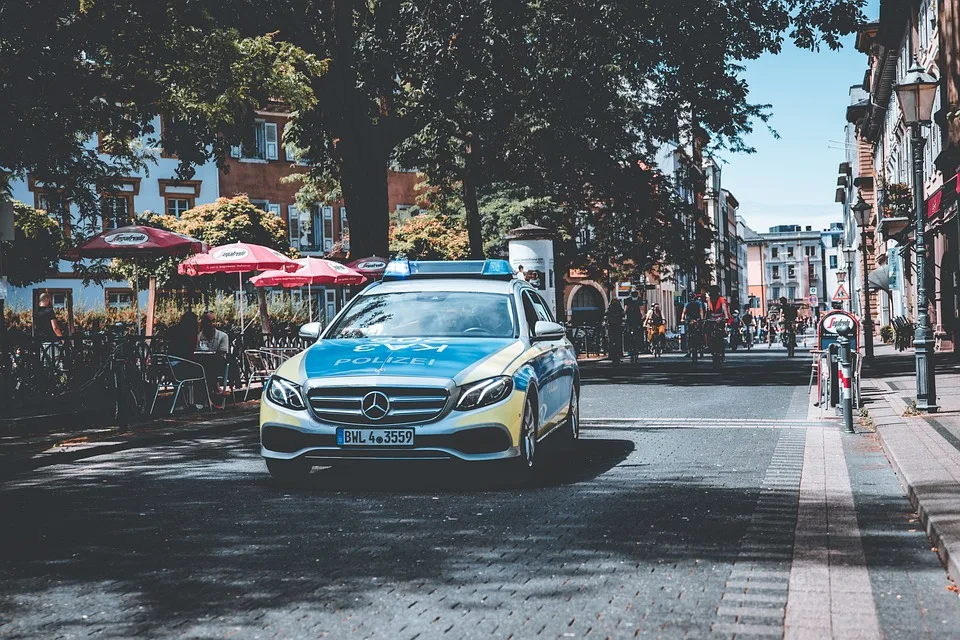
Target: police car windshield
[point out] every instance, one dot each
(428, 314)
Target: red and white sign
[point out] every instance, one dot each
(833, 322)
(841, 294)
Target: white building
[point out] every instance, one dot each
(831, 242)
(155, 189)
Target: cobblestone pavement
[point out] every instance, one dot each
(662, 527)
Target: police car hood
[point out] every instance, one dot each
(452, 358)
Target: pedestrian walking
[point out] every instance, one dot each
(46, 328)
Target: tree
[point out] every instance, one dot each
(225, 221)
(429, 236)
(76, 69)
(35, 252)
(595, 86)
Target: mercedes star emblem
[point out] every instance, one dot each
(375, 405)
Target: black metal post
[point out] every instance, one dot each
(923, 337)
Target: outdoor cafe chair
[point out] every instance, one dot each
(258, 369)
(167, 364)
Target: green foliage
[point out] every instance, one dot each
(887, 333)
(897, 200)
(112, 66)
(34, 254)
(430, 236)
(225, 221)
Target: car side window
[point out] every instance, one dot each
(543, 309)
(530, 311)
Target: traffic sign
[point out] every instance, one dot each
(813, 291)
(841, 293)
(814, 301)
(841, 276)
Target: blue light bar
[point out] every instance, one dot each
(403, 269)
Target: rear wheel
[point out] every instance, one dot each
(288, 471)
(572, 432)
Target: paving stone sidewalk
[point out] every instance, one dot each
(21, 452)
(923, 449)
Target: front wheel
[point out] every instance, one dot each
(288, 471)
(528, 465)
(572, 431)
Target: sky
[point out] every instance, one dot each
(793, 180)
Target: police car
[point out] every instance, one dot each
(453, 360)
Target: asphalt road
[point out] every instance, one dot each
(677, 519)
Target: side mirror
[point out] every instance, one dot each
(544, 330)
(310, 331)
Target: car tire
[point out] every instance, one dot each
(288, 471)
(571, 432)
(528, 466)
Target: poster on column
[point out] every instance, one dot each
(537, 262)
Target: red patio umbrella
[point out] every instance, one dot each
(239, 258)
(312, 271)
(137, 241)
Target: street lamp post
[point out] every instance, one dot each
(861, 212)
(849, 255)
(916, 95)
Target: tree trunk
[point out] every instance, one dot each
(363, 169)
(474, 226)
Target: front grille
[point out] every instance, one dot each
(408, 405)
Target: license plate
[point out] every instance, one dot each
(374, 437)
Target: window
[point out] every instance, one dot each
(776, 272)
(791, 273)
(774, 252)
(293, 226)
(835, 241)
(810, 251)
(177, 205)
(330, 303)
(789, 252)
(117, 299)
(833, 262)
(264, 143)
(116, 209)
(327, 228)
(54, 204)
(775, 292)
(791, 293)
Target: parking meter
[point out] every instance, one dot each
(845, 328)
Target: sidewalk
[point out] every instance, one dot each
(924, 450)
(21, 452)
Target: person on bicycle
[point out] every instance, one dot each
(749, 322)
(717, 311)
(693, 313)
(788, 318)
(614, 320)
(654, 324)
(633, 310)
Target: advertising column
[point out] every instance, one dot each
(531, 253)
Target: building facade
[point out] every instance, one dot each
(154, 190)
(790, 261)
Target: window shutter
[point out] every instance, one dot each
(288, 153)
(344, 229)
(328, 228)
(270, 130)
(293, 225)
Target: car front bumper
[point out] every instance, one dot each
(489, 433)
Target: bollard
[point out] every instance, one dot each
(845, 375)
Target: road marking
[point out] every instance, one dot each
(829, 594)
(755, 593)
(698, 423)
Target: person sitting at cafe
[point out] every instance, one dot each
(182, 337)
(212, 341)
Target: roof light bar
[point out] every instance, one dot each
(403, 269)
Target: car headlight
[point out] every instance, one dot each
(485, 392)
(284, 393)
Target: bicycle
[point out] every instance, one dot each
(631, 339)
(715, 334)
(694, 335)
(656, 342)
(126, 387)
(789, 337)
